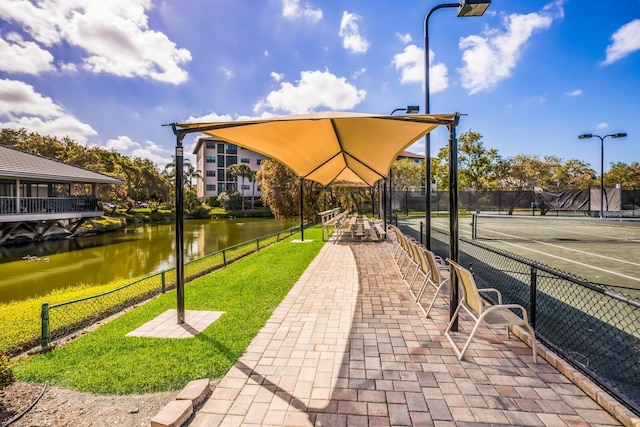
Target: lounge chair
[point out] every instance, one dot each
(438, 277)
(492, 316)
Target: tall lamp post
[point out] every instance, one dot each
(602, 138)
(465, 8)
(411, 109)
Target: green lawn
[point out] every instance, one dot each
(107, 362)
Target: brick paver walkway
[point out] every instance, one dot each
(349, 347)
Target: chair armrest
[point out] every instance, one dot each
(525, 317)
(493, 290)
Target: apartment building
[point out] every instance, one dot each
(213, 157)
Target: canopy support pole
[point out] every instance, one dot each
(453, 218)
(179, 226)
(301, 209)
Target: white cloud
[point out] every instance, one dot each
(227, 72)
(350, 33)
(358, 73)
(159, 155)
(404, 38)
(602, 125)
(276, 76)
(122, 143)
(22, 107)
(491, 58)
(209, 118)
(113, 34)
(67, 68)
(625, 41)
(19, 56)
(411, 65)
(315, 89)
(576, 92)
(291, 9)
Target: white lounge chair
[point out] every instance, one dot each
(492, 316)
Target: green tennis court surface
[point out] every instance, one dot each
(600, 251)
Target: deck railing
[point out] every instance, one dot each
(33, 205)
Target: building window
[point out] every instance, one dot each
(220, 160)
(210, 144)
(211, 173)
(221, 175)
(211, 187)
(258, 161)
(245, 187)
(220, 148)
(210, 159)
(232, 149)
(244, 160)
(221, 187)
(232, 160)
(231, 187)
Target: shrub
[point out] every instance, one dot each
(201, 212)
(6, 374)
(213, 202)
(230, 201)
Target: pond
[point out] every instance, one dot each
(35, 269)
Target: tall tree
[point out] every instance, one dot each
(243, 171)
(477, 164)
(281, 191)
(406, 175)
(627, 175)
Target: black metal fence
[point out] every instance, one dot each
(504, 201)
(63, 319)
(594, 329)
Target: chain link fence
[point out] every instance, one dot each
(64, 319)
(594, 329)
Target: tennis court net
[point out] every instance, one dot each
(566, 229)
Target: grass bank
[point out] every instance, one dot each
(105, 361)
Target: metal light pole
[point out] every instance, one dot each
(613, 135)
(465, 8)
(411, 109)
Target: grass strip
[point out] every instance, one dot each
(105, 361)
(21, 320)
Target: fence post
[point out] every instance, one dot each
(224, 257)
(164, 289)
(532, 296)
(258, 244)
(421, 226)
(44, 316)
(474, 226)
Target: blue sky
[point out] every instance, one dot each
(531, 75)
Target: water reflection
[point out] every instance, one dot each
(125, 254)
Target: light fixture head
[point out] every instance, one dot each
(585, 136)
(619, 135)
(473, 7)
(415, 109)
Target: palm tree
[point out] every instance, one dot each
(188, 174)
(252, 180)
(241, 170)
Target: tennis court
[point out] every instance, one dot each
(602, 251)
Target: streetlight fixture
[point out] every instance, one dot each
(466, 8)
(411, 109)
(613, 135)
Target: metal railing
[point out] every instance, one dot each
(31, 205)
(62, 319)
(594, 329)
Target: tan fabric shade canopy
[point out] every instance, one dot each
(328, 147)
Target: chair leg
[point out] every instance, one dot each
(466, 345)
(532, 334)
